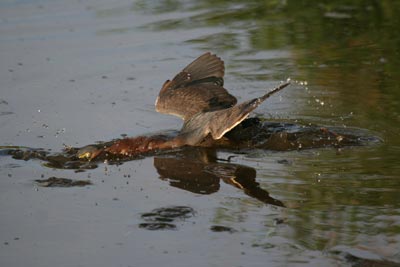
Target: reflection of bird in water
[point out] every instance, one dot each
(196, 95)
(197, 170)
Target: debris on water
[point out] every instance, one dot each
(284, 162)
(27, 154)
(279, 221)
(62, 182)
(163, 218)
(158, 226)
(220, 228)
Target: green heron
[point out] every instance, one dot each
(196, 95)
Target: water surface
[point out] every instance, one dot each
(76, 72)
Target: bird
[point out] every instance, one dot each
(196, 94)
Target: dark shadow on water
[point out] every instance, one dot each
(197, 170)
(164, 218)
(62, 182)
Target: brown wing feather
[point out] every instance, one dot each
(205, 66)
(197, 88)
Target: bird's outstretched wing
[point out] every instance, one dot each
(197, 88)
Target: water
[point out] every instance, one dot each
(78, 72)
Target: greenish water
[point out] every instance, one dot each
(91, 72)
(347, 54)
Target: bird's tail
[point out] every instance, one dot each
(273, 91)
(223, 121)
